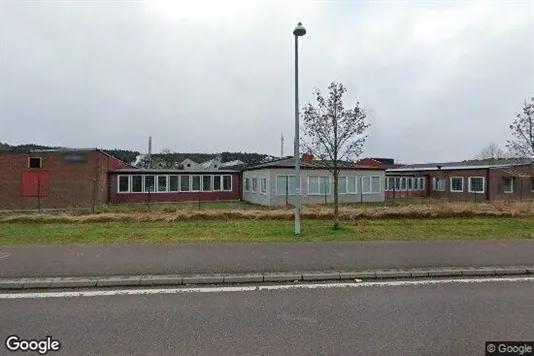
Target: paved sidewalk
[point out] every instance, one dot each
(89, 260)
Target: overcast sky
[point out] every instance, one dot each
(439, 80)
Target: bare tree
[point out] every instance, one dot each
(333, 133)
(522, 128)
(491, 152)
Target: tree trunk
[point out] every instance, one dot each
(336, 202)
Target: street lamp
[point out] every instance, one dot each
(298, 31)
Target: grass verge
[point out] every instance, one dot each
(213, 231)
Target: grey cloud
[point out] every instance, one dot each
(111, 74)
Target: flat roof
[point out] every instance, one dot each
(171, 171)
(289, 162)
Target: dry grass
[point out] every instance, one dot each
(347, 213)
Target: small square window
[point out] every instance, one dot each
(35, 162)
(508, 184)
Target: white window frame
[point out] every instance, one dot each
(346, 185)
(166, 184)
(347, 191)
(435, 185)
(231, 183)
(483, 184)
(263, 189)
(214, 178)
(452, 185)
(254, 188)
(248, 184)
(328, 191)
(191, 183)
(40, 162)
(142, 183)
(283, 194)
(422, 183)
(371, 185)
(511, 185)
(415, 184)
(177, 183)
(397, 180)
(202, 183)
(390, 184)
(155, 183)
(403, 180)
(119, 183)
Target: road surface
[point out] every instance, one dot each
(86, 260)
(407, 319)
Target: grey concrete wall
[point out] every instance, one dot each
(256, 197)
(272, 199)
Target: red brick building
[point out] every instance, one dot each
(55, 179)
(464, 181)
(160, 185)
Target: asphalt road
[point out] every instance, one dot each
(443, 319)
(83, 260)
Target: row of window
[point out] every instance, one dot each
(174, 183)
(405, 183)
(475, 184)
(317, 185)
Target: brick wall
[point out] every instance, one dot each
(125, 198)
(71, 184)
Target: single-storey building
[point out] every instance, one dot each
(273, 183)
(55, 179)
(163, 185)
(468, 180)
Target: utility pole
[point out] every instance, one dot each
(282, 145)
(149, 161)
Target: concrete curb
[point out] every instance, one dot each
(176, 280)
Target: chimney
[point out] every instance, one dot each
(307, 157)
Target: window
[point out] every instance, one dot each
(247, 184)
(35, 162)
(342, 185)
(532, 184)
(410, 183)
(185, 183)
(421, 183)
(173, 183)
(206, 183)
(227, 183)
(149, 184)
(371, 184)
(286, 184)
(390, 183)
(397, 183)
(403, 184)
(508, 184)
(124, 184)
(137, 184)
(254, 185)
(162, 183)
(438, 184)
(476, 184)
(217, 183)
(318, 185)
(263, 185)
(457, 184)
(415, 183)
(351, 185)
(195, 183)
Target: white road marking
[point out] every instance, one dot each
(4, 255)
(103, 293)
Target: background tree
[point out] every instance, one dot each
(333, 133)
(491, 152)
(522, 145)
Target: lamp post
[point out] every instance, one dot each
(298, 31)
